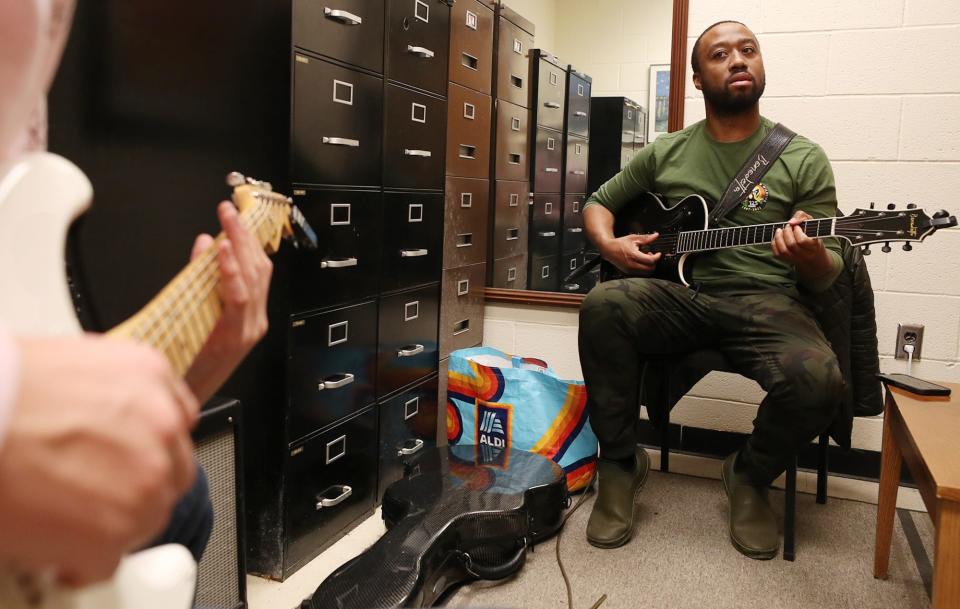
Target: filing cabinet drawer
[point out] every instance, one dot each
(346, 264)
(513, 142)
(568, 264)
(640, 134)
(575, 174)
(547, 161)
(513, 65)
(574, 237)
(545, 225)
(550, 94)
(332, 366)
(411, 239)
(336, 124)
(578, 103)
(461, 310)
(331, 482)
(418, 34)
(510, 273)
(413, 140)
(408, 337)
(347, 30)
(468, 133)
(511, 218)
(631, 117)
(408, 429)
(545, 273)
(465, 222)
(471, 44)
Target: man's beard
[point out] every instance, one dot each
(725, 102)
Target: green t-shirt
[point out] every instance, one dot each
(691, 162)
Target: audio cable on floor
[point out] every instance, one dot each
(563, 572)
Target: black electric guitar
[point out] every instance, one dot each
(683, 231)
(463, 513)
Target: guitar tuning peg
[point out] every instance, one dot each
(907, 247)
(891, 206)
(886, 248)
(941, 214)
(911, 206)
(235, 178)
(866, 250)
(872, 204)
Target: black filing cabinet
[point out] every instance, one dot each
(576, 168)
(408, 429)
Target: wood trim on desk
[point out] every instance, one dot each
(546, 299)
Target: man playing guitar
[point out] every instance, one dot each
(746, 302)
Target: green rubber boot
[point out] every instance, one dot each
(753, 526)
(611, 521)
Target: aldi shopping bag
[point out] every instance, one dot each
(504, 401)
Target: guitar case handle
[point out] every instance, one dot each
(501, 571)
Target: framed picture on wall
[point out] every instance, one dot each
(658, 104)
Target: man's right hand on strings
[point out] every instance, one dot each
(625, 253)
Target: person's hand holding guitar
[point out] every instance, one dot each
(626, 254)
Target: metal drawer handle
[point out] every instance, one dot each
(340, 141)
(573, 287)
(513, 234)
(341, 16)
(547, 233)
(338, 264)
(420, 51)
(345, 491)
(414, 152)
(406, 452)
(414, 253)
(580, 113)
(574, 230)
(551, 104)
(346, 380)
(551, 170)
(578, 172)
(410, 351)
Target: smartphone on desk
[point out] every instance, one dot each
(913, 384)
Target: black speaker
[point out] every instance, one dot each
(218, 447)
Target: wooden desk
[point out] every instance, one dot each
(925, 433)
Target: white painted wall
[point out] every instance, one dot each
(877, 84)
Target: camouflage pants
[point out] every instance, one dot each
(769, 337)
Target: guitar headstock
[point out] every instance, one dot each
(274, 214)
(867, 226)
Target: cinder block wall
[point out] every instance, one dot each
(877, 84)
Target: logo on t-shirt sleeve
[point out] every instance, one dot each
(757, 199)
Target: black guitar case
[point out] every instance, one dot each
(463, 513)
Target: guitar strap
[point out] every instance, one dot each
(752, 170)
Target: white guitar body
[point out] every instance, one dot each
(44, 193)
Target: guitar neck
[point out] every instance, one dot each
(755, 234)
(178, 321)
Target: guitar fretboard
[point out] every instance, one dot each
(178, 321)
(719, 238)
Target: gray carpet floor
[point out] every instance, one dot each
(680, 557)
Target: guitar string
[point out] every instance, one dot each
(200, 282)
